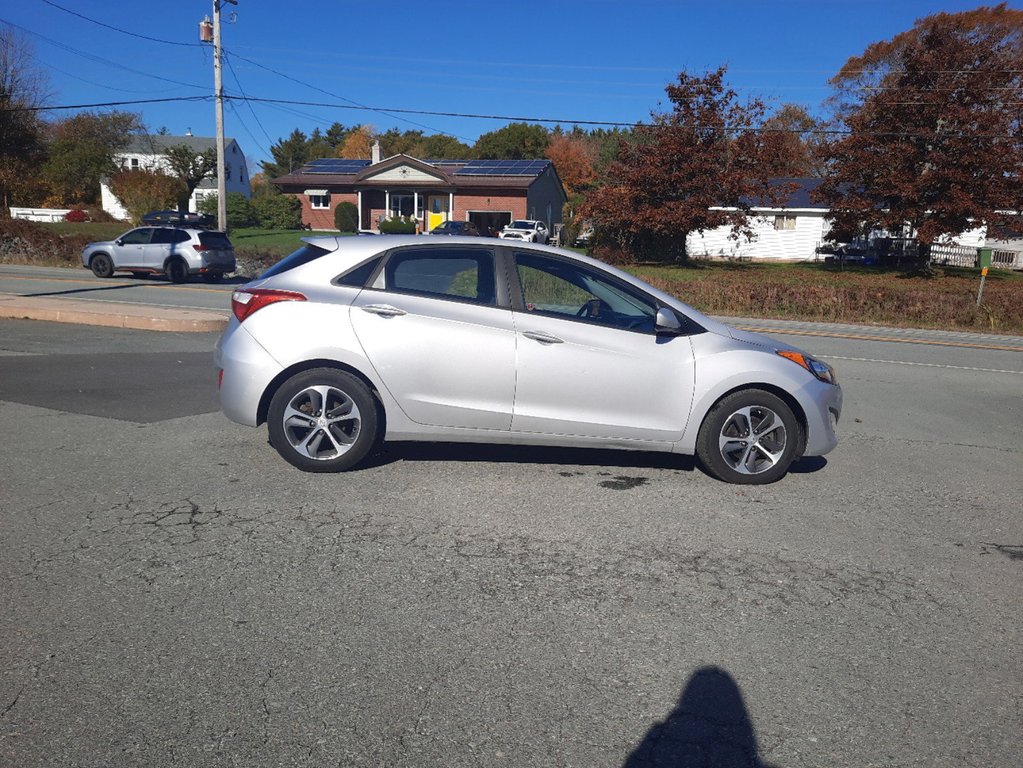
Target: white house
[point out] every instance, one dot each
(791, 231)
(150, 153)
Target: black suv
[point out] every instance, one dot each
(456, 228)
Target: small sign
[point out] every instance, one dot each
(983, 272)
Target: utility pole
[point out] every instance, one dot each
(218, 92)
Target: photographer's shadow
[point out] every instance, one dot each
(709, 728)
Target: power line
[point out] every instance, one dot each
(99, 59)
(247, 102)
(94, 105)
(355, 104)
(118, 29)
(518, 118)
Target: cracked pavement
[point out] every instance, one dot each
(176, 595)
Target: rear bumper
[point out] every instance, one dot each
(247, 370)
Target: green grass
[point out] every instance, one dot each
(280, 242)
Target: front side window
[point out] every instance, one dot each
(464, 275)
(573, 291)
(319, 201)
(137, 237)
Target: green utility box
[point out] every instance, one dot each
(983, 257)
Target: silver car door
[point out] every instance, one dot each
(588, 361)
(129, 250)
(431, 327)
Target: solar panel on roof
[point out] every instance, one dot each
(503, 168)
(335, 165)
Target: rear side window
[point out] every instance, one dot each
(357, 277)
(214, 240)
(462, 274)
(303, 255)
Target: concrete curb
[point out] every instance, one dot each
(134, 316)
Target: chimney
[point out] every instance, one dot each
(376, 152)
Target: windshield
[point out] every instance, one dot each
(522, 225)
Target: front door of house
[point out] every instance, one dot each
(436, 210)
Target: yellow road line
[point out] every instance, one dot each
(864, 337)
(109, 283)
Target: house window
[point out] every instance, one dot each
(785, 223)
(134, 163)
(227, 173)
(319, 201)
(402, 205)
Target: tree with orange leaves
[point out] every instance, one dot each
(935, 138)
(573, 158)
(358, 145)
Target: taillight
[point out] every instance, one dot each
(245, 302)
(200, 247)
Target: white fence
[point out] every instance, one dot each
(40, 214)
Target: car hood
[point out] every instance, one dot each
(99, 243)
(747, 337)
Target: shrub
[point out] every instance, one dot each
(141, 191)
(402, 226)
(240, 212)
(76, 215)
(346, 217)
(277, 211)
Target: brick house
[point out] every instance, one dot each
(489, 193)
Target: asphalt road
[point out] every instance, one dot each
(175, 594)
(63, 283)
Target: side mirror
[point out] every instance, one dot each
(118, 241)
(667, 322)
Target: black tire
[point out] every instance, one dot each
(323, 420)
(177, 271)
(749, 437)
(101, 265)
(212, 277)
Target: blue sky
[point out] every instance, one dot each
(567, 60)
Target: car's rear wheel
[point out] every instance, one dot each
(749, 437)
(101, 265)
(177, 271)
(323, 420)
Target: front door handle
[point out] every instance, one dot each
(384, 310)
(543, 338)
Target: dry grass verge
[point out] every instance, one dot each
(864, 295)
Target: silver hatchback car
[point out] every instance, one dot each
(351, 340)
(174, 251)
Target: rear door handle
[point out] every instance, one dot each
(543, 338)
(384, 310)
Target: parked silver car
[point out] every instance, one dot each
(349, 340)
(174, 251)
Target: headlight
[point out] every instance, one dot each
(819, 369)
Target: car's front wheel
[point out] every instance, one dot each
(101, 265)
(323, 420)
(750, 437)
